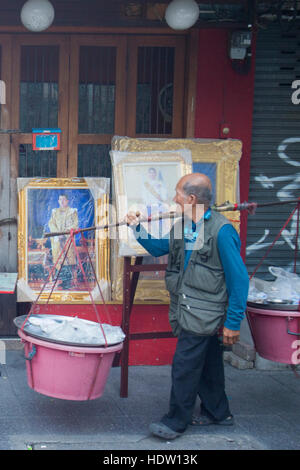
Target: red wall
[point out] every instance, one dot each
(225, 97)
(144, 319)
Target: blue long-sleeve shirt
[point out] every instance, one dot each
(236, 276)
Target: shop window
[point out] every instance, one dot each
(154, 103)
(36, 163)
(39, 87)
(97, 70)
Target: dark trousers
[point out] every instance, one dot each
(197, 369)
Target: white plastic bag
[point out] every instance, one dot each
(284, 289)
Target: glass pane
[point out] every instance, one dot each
(39, 87)
(94, 160)
(155, 78)
(97, 86)
(37, 162)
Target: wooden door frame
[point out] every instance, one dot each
(6, 76)
(75, 139)
(63, 84)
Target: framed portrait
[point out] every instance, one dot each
(145, 182)
(57, 205)
(218, 159)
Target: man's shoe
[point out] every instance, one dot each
(163, 431)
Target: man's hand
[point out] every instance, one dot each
(230, 336)
(132, 218)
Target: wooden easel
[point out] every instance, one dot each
(130, 280)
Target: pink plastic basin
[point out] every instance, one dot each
(276, 334)
(67, 372)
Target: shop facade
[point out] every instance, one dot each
(119, 70)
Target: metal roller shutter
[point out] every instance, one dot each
(275, 154)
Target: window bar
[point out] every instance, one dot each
(51, 66)
(82, 86)
(112, 88)
(26, 93)
(90, 154)
(93, 82)
(151, 88)
(105, 80)
(143, 88)
(165, 83)
(43, 88)
(84, 157)
(43, 162)
(26, 160)
(50, 160)
(35, 79)
(102, 85)
(91, 87)
(37, 163)
(90, 93)
(157, 88)
(86, 90)
(90, 161)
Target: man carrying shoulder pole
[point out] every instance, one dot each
(208, 285)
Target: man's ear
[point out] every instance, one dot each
(192, 199)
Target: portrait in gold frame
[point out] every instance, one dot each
(145, 182)
(222, 154)
(39, 202)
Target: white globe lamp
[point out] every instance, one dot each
(37, 15)
(182, 14)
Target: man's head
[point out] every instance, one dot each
(192, 190)
(63, 201)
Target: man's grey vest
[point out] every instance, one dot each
(198, 295)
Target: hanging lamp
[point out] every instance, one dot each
(182, 14)
(37, 15)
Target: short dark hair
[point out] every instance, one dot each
(203, 193)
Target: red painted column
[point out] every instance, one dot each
(225, 96)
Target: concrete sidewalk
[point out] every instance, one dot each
(265, 404)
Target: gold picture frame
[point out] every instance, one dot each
(145, 182)
(222, 154)
(40, 207)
